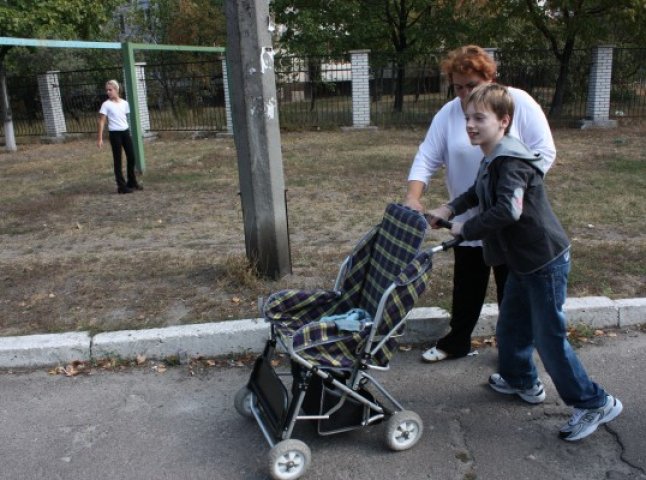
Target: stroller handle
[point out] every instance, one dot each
(440, 222)
(454, 242)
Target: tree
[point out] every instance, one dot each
(402, 28)
(566, 25)
(404, 23)
(178, 22)
(312, 30)
(59, 19)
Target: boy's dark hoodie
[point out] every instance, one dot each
(515, 221)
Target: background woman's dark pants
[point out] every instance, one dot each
(470, 281)
(119, 140)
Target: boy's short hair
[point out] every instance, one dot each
(496, 98)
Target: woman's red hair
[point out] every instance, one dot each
(470, 60)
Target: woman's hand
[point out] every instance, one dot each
(443, 213)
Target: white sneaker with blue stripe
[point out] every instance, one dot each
(533, 395)
(584, 421)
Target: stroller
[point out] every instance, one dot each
(335, 339)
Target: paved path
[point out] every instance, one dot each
(140, 424)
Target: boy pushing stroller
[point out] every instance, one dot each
(519, 229)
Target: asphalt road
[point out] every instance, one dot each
(142, 424)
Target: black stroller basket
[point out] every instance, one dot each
(335, 339)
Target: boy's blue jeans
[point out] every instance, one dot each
(531, 315)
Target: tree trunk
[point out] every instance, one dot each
(556, 108)
(5, 112)
(399, 88)
(314, 74)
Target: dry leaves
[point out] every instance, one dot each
(193, 365)
(71, 370)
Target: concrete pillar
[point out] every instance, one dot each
(599, 86)
(360, 88)
(250, 58)
(227, 98)
(50, 97)
(142, 96)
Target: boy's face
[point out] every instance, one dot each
(484, 128)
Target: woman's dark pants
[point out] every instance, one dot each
(470, 281)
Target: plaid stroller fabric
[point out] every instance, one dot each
(387, 254)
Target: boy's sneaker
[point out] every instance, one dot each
(534, 395)
(585, 421)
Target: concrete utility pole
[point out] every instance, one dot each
(252, 83)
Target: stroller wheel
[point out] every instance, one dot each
(242, 402)
(289, 459)
(403, 430)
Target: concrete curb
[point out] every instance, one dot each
(248, 336)
(41, 350)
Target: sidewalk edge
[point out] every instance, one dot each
(248, 336)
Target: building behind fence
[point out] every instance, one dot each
(358, 89)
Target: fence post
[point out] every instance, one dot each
(227, 98)
(142, 97)
(50, 97)
(360, 88)
(599, 86)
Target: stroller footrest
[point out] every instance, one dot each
(271, 395)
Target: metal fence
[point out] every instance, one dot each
(82, 93)
(628, 94)
(422, 92)
(186, 96)
(537, 72)
(316, 92)
(26, 109)
(180, 96)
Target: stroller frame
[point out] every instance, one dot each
(344, 394)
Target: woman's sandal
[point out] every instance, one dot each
(434, 354)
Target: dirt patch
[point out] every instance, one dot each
(77, 256)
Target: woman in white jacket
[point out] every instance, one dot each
(447, 145)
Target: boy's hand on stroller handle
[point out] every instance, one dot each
(456, 229)
(439, 222)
